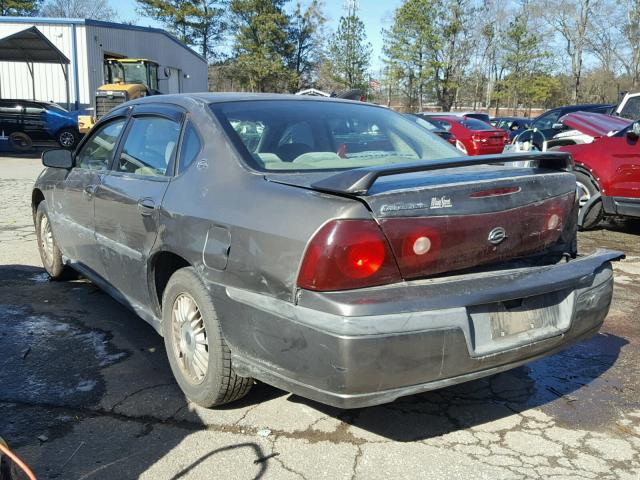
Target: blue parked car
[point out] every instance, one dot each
(26, 124)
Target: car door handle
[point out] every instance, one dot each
(89, 191)
(146, 206)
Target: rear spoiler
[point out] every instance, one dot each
(358, 181)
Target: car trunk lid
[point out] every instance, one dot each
(460, 213)
(491, 138)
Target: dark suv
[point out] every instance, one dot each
(548, 124)
(26, 124)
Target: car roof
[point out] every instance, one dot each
(186, 99)
(451, 114)
(511, 118)
(582, 106)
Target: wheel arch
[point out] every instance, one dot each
(37, 197)
(579, 167)
(163, 265)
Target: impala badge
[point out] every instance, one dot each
(497, 235)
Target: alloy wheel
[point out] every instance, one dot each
(67, 139)
(190, 338)
(46, 239)
(584, 195)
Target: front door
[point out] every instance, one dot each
(129, 199)
(72, 208)
(625, 166)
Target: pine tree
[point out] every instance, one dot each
(199, 23)
(349, 52)
(305, 35)
(262, 44)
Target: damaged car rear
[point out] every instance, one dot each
(330, 248)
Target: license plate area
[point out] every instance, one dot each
(505, 325)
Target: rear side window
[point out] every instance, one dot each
(149, 147)
(97, 152)
(191, 146)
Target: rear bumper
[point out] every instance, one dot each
(628, 207)
(356, 349)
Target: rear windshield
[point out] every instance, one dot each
(473, 124)
(479, 116)
(325, 135)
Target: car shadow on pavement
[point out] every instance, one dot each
(569, 386)
(86, 390)
(33, 153)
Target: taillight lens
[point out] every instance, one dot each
(347, 254)
(478, 139)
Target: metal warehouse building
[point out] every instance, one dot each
(86, 43)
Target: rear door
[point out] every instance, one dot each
(129, 197)
(35, 122)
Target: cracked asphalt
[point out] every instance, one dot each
(86, 393)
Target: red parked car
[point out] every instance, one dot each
(607, 169)
(478, 137)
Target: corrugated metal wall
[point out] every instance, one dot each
(15, 80)
(103, 41)
(93, 43)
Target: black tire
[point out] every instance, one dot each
(20, 142)
(51, 258)
(220, 383)
(68, 138)
(588, 187)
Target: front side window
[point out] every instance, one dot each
(97, 152)
(325, 135)
(548, 121)
(149, 146)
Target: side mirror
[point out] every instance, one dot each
(634, 132)
(557, 126)
(58, 158)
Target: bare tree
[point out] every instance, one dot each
(95, 9)
(571, 20)
(629, 29)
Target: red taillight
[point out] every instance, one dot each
(478, 139)
(346, 254)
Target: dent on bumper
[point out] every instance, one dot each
(326, 349)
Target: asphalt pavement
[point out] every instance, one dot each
(86, 393)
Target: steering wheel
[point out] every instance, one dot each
(530, 140)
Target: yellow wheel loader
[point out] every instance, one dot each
(126, 79)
